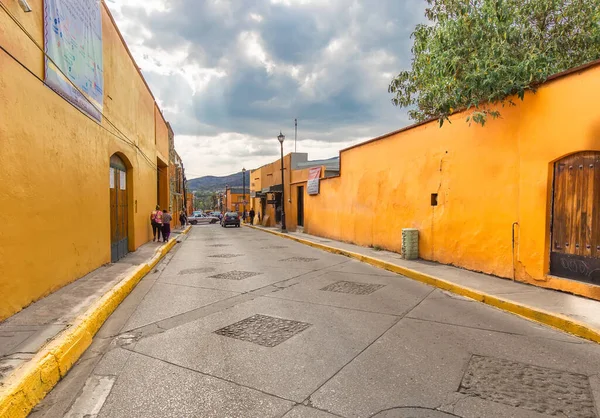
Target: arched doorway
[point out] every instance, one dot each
(118, 209)
(575, 230)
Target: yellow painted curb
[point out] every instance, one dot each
(539, 315)
(30, 383)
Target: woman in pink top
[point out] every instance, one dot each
(156, 219)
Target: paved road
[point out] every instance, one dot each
(240, 323)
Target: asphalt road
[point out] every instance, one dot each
(240, 323)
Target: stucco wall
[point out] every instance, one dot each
(486, 179)
(54, 159)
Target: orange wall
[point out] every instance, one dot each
(486, 179)
(54, 180)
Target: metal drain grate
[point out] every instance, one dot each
(300, 259)
(547, 391)
(199, 270)
(234, 275)
(225, 255)
(263, 330)
(353, 288)
(273, 247)
(219, 245)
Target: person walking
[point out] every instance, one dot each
(252, 214)
(166, 225)
(182, 218)
(156, 222)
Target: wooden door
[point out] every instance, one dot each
(575, 251)
(118, 209)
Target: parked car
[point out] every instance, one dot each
(202, 219)
(230, 218)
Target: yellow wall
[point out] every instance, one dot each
(486, 179)
(55, 164)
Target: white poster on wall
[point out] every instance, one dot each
(73, 43)
(112, 177)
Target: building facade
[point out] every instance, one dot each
(518, 198)
(79, 185)
(266, 195)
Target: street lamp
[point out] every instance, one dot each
(244, 194)
(281, 138)
(226, 200)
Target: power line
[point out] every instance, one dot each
(124, 137)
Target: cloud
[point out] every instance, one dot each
(229, 75)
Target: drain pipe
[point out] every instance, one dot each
(513, 249)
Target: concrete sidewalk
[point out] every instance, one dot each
(569, 313)
(26, 334)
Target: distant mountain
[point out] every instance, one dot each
(213, 183)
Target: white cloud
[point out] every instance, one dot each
(228, 75)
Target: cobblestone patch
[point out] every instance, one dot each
(300, 259)
(353, 288)
(225, 255)
(547, 391)
(199, 270)
(234, 275)
(263, 330)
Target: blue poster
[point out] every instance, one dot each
(73, 40)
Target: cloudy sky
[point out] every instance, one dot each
(230, 74)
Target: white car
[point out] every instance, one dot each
(202, 219)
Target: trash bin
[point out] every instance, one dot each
(410, 243)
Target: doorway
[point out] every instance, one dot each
(300, 200)
(119, 222)
(575, 230)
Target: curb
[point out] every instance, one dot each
(32, 381)
(554, 320)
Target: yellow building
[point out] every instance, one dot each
(77, 189)
(518, 198)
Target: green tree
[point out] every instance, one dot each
(476, 52)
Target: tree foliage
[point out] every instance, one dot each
(476, 52)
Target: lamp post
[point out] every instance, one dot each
(244, 194)
(281, 138)
(226, 202)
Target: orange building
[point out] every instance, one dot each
(266, 188)
(518, 198)
(234, 199)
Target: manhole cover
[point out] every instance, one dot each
(225, 255)
(263, 330)
(547, 391)
(199, 270)
(353, 288)
(300, 259)
(234, 275)
(413, 412)
(324, 240)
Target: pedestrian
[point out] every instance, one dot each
(166, 225)
(252, 214)
(156, 221)
(182, 218)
